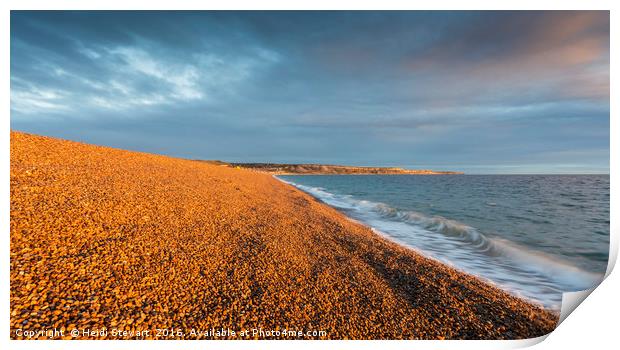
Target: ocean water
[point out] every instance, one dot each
(534, 236)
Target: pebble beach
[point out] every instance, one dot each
(103, 238)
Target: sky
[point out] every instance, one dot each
(480, 92)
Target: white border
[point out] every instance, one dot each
(593, 323)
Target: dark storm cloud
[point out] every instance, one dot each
(523, 91)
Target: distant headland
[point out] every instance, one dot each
(327, 169)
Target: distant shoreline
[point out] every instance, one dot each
(328, 169)
(362, 174)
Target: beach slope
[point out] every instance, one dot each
(102, 237)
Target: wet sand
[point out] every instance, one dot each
(102, 237)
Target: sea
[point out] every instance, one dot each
(535, 236)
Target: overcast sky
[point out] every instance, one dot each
(483, 92)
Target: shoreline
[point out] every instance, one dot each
(139, 241)
(415, 250)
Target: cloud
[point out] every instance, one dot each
(27, 98)
(378, 87)
(503, 51)
(182, 80)
(132, 77)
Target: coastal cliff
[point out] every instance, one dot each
(328, 169)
